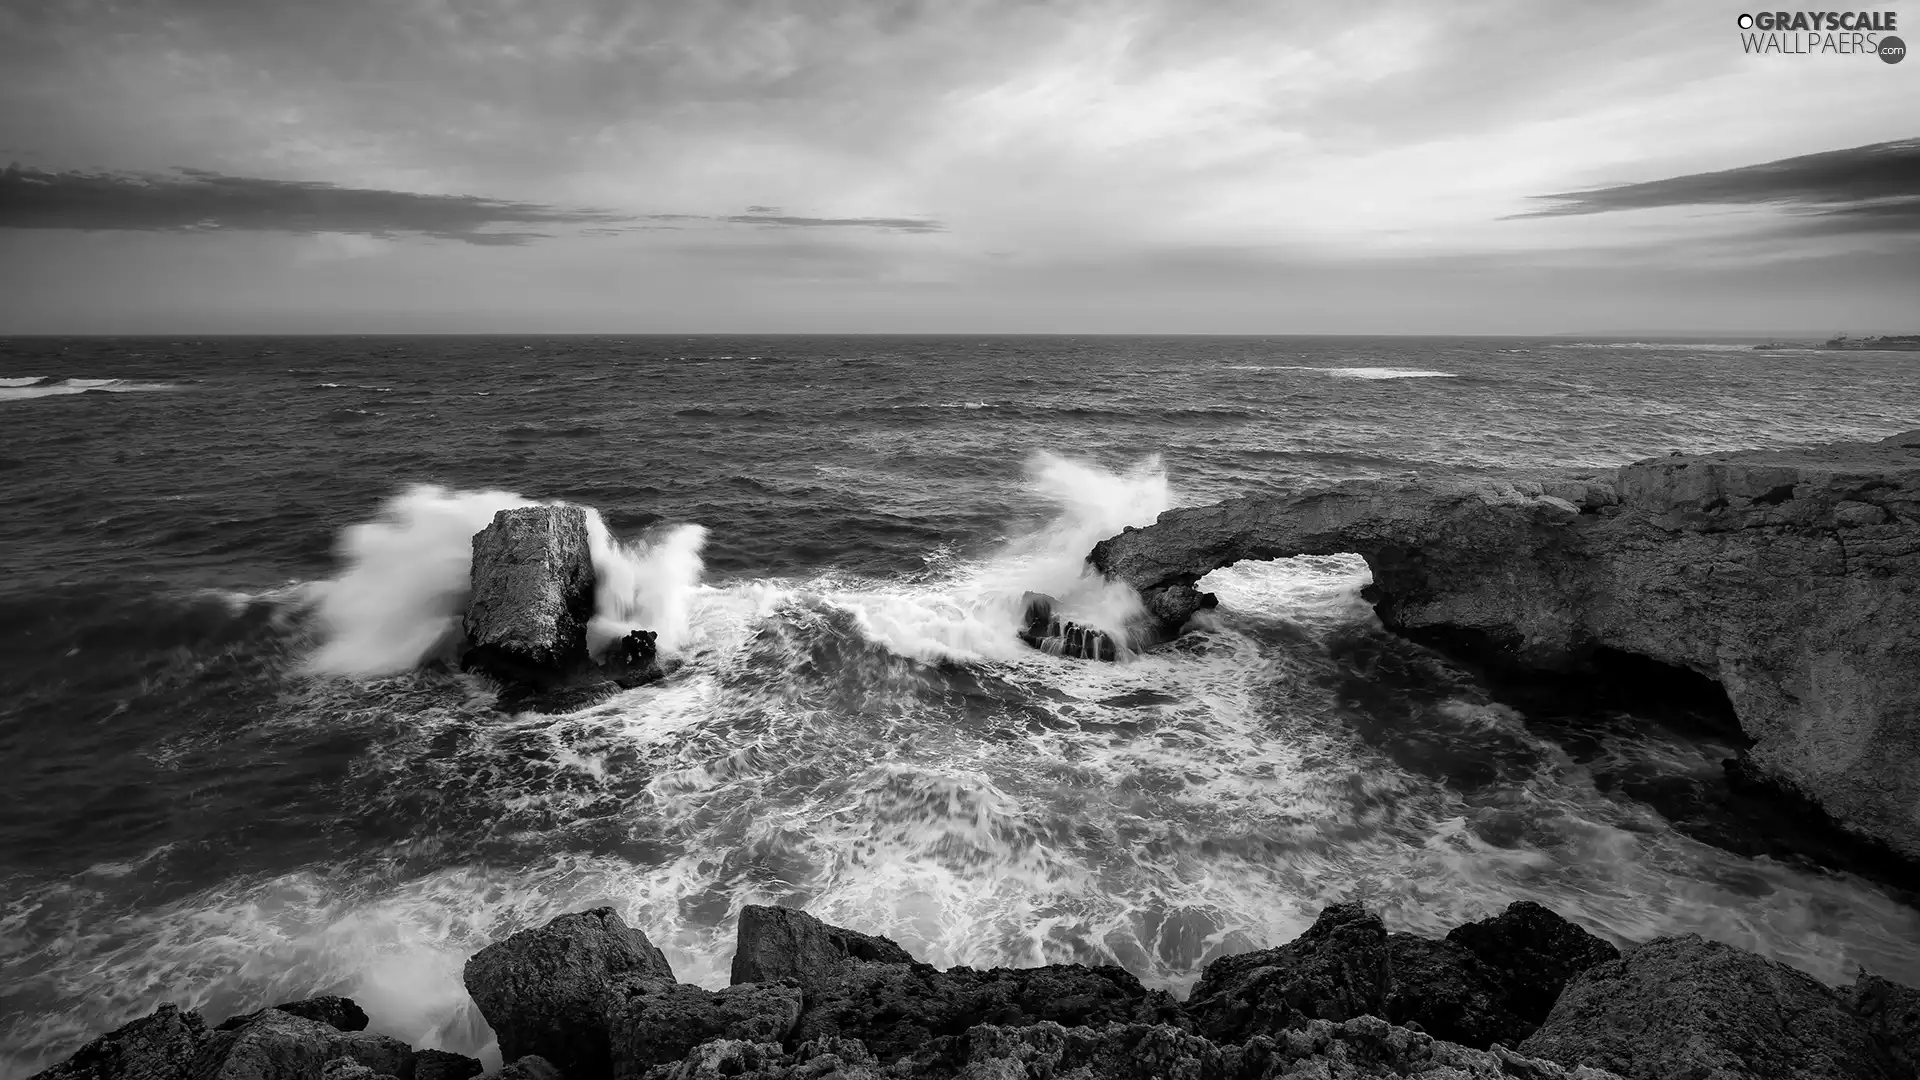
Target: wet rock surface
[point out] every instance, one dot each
(1345, 1001)
(544, 991)
(1784, 576)
(1042, 628)
(532, 595)
(777, 943)
(1685, 1006)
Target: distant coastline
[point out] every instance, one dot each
(1884, 343)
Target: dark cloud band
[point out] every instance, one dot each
(194, 200)
(1857, 189)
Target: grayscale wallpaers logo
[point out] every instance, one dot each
(1835, 33)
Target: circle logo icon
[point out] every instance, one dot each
(1746, 22)
(1892, 50)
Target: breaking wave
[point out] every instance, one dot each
(23, 388)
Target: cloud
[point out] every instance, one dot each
(1860, 189)
(197, 200)
(894, 224)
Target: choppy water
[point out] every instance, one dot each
(228, 784)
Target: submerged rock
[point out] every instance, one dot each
(1337, 970)
(545, 990)
(634, 659)
(532, 596)
(1785, 576)
(1685, 1007)
(775, 943)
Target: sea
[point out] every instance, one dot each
(239, 768)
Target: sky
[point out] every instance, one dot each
(960, 166)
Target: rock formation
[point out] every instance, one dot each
(1041, 628)
(1345, 1001)
(526, 623)
(1792, 578)
(532, 595)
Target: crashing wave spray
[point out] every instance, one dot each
(645, 585)
(400, 600)
(978, 614)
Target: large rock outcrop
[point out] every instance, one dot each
(546, 991)
(532, 595)
(1790, 577)
(775, 943)
(1685, 1006)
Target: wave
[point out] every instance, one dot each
(1371, 373)
(20, 389)
(399, 601)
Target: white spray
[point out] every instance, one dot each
(404, 589)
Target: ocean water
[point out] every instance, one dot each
(237, 774)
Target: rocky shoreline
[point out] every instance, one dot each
(1524, 994)
(1787, 583)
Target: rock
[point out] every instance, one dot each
(1044, 630)
(337, 1012)
(656, 1022)
(1114, 1052)
(1892, 1015)
(532, 595)
(634, 660)
(1534, 953)
(841, 1059)
(1786, 576)
(897, 1009)
(444, 1065)
(1687, 1007)
(159, 1046)
(274, 1045)
(1337, 970)
(349, 1069)
(1450, 993)
(544, 990)
(530, 1067)
(775, 943)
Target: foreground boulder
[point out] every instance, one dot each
(160, 1046)
(655, 1022)
(1533, 954)
(532, 596)
(1687, 1007)
(775, 943)
(1786, 576)
(898, 1009)
(331, 1010)
(1335, 971)
(545, 991)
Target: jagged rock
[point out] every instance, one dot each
(532, 595)
(349, 1069)
(1338, 969)
(530, 1067)
(1892, 1015)
(1787, 576)
(840, 1059)
(445, 1065)
(1534, 951)
(1450, 993)
(1687, 1007)
(895, 1009)
(159, 1046)
(634, 659)
(338, 1012)
(775, 943)
(1113, 1052)
(544, 990)
(655, 1022)
(274, 1045)
(1041, 628)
